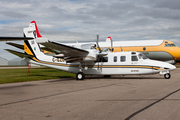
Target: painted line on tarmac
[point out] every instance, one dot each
(141, 110)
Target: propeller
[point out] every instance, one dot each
(98, 44)
(101, 53)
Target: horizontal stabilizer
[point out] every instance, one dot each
(16, 45)
(15, 38)
(22, 47)
(22, 55)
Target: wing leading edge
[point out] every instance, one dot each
(68, 51)
(15, 38)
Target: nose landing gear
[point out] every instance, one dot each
(167, 76)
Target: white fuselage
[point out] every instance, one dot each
(117, 63)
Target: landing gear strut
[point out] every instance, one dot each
(167, 75)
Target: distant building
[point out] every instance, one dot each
(3, 61)
(17, 61)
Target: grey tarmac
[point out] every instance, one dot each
(147, 97)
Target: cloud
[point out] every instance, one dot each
(13, 14)
(82, 20)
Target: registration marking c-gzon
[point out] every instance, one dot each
(58, 60)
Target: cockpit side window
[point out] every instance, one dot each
(134, 58)
(173, 45)
(169, 45)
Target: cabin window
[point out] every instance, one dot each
(123, 58)
(115, 58)
(134, 58)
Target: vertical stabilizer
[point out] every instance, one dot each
(32, 31)
(32, 48)
(108, 39)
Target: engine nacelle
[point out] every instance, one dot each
(92, 56)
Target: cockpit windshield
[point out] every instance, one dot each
(142, 56)
(169, 45)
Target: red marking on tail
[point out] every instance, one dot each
(37, 31)
(109, 38)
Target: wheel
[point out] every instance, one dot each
(80, 76)
(167, 75)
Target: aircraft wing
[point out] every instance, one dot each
(22, 55)
(68, 51)
(15, 38)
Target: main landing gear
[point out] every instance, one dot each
(80, 75)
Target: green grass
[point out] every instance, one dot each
(177, 66)
(20, 75)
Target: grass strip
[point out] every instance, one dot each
(20, 75)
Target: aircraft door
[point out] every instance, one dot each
(123, 62)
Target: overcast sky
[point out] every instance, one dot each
(82, 20)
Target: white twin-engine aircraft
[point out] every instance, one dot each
(90, 59)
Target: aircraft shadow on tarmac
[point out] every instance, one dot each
(111, 78)
(124, 77)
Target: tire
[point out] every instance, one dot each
(167, 76)
(80, 76)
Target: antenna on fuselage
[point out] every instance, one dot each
(121, 49)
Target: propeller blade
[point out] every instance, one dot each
(97, 42)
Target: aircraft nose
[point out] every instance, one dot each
(177, 54)
(170, 67)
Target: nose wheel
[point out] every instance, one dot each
(167, 76)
